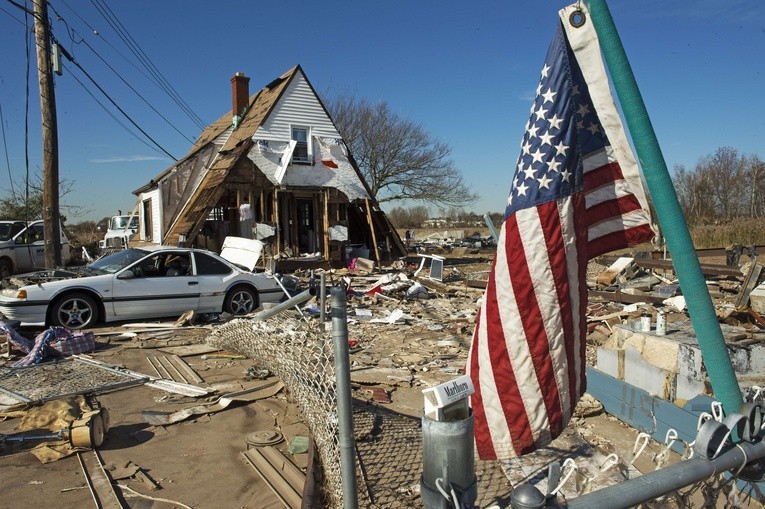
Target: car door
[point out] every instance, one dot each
(30, 249)
(214, 276)
(156, 286)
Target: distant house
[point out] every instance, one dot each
(276, 169)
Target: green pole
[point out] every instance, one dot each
(670, 216)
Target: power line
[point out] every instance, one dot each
(138, 94)
(123, 34)
(7, 160)
(103, 106)
(114, 103)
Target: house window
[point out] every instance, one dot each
(301, 154)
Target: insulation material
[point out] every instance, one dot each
(179, 184)
(267, 156)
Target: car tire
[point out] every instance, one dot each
(74, 311)
(6, 268)
(241, 300)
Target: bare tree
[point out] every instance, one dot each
(400, 160)
(408, 218)
(29, 206)
(755, 173)
(725, 168)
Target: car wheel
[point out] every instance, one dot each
(74, 311)
(241, 300)
(6, 268)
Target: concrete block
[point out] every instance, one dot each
(646, 376)
(661, 352)
(611, 361)
(688, 388)
(757, 299)
(757, 359)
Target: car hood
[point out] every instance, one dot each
(41, 276)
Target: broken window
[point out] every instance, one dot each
(208, 266)
(301, 154)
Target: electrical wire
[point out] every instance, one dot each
(123, 34)
(138, 94)
(82, 40)
(27, 35)
(103, 106)
(12, 16)
(7, 160)
(114, 103)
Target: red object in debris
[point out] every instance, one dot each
(376, 289)
(353, 343)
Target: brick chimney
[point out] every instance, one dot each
(240, 93)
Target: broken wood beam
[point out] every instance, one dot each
(624, 298)
(708, 269)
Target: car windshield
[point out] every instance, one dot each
(117, 261)
(121, 222)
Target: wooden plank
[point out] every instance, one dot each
(183, 365)
(281, 475)
(98, 480)
(372, 229)
(750, 282)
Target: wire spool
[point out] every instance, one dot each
(88, 431)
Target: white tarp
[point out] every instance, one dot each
(241, 251)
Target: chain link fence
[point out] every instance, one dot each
(301, 355)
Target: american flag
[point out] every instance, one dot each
(576, 193)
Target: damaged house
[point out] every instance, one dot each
(274, 169)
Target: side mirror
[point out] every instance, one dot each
(126, 274)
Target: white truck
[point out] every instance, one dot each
(119, 231)
(22, 247)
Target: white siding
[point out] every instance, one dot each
(156, 210)
(300, 107)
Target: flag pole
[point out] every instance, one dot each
(668, 212)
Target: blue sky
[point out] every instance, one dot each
(466, 71)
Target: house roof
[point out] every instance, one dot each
(260, 105)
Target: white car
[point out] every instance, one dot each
(152, 282)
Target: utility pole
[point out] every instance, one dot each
(51, 215)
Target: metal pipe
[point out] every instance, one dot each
(654, 484)
(294, 301)
(668, 212)
(346, 441)
(287, 293)
(323, 298)
(490, 224)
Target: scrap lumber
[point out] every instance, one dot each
(98, 480)
(750, 282)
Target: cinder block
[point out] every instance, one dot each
(642, 374)
(611, 361)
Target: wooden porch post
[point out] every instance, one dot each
(372, 229)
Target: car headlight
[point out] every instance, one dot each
(14, 293)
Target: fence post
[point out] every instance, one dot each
(343, 393)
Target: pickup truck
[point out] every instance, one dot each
(22, 247)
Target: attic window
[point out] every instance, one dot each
(302, 153)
